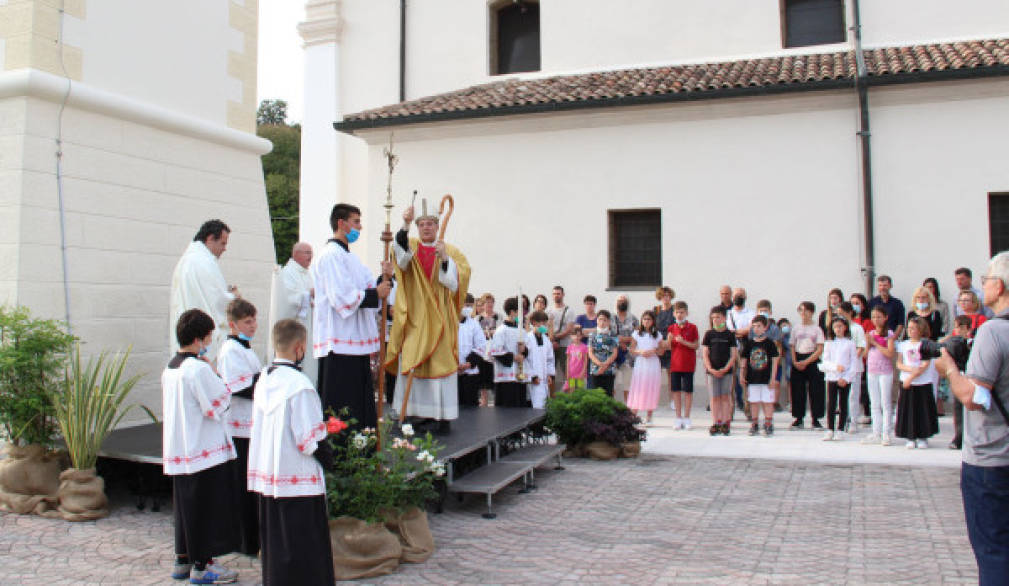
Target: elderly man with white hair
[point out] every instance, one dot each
(983, 388)
(293, 297)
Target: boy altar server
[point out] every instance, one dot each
(504, 348)
(287, 456)
(199, 456)
(540, 366)
(239, 367)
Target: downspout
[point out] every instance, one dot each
(865, 136)
(402, 50)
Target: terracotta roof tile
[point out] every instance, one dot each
(667, 83)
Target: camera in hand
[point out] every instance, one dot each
(957, 347)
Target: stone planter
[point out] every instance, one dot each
(363, 550)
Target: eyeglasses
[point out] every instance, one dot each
(986, 278)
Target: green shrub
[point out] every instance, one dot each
(32, 356)
(588, 415)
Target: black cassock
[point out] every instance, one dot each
(294, 532)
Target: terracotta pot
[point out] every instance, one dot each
(602, 450)
(362, 550)
(29, 479)
(82, 495)
(414, 535)
(630, 449)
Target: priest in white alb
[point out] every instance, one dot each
(293, 297)
(198, 283)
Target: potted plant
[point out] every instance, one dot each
(376, 498)
(32, 354)
(88, 407)
(592, 423)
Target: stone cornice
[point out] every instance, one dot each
(322, 23)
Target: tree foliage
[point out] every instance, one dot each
(282, 174)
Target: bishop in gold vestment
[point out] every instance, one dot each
(432, 281)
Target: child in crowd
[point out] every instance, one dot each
(785, 390)
(646, 380)
(773, 334)
(860, 305)
(286, 463)
(719, 356)
(577, 360)
(879, 377)
(602, 353)
(806, 341)
(504, 348)
(838, 365)
(683, 340)
(239, 368)
(961, 331)
(758, 366)
(472, 346)
(916, 414)
(199, 456)
(847, 311)
(539, 367)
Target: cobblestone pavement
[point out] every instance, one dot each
(658, 519)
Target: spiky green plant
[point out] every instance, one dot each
(89, 406)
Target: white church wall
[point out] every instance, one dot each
(134, 197)
(12, 125)
(744, 186)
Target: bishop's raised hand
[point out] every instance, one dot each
(408, 216)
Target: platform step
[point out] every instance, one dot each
(491, 478)
(535, 454)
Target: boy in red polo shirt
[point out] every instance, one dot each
(683, 341)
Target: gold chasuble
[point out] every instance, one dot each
(425, 327)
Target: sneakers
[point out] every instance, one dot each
(715, 429)
(181, 571)
(797, 424)
(768, 429)
(817, 424)
(870, 439)
(686, 423)
(754, 428)
(829, 436)
(909, 445)
(725, 429)
(213, 574)
(922, 444)
(885, 440)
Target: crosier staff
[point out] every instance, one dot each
(386, 238)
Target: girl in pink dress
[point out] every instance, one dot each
(578, 361)
(646, 346)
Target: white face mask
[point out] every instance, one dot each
(467, 311)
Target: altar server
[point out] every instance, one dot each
(198, 283)
(197, 452)
(346, 327)
(293, 297)
(509, 391)
(287, 459)
(472, 352)
(540, 367)
(239, 367)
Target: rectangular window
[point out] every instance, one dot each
(515, 37)
(812, 22)
(635, 248)
(998, 222)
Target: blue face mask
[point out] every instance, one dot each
(857, 307)
(244, 338)
(542, 329)
(785, 329)
(921, 306)
(202, 352)
(353, 235)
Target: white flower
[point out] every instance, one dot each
(360, 441)
(407, 429)
(438, 469)
(425, 456)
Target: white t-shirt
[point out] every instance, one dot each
(804, 339)
(858, 337)
(738, 319)
(911, 357)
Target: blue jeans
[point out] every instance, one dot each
(985, 493)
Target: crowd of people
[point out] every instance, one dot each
(855, 363)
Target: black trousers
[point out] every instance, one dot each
(248, 502)
(837, 405)
(603, 381)
(295, 535)
(205, 513)
(468, 389)
(807, 384)
(346, 383)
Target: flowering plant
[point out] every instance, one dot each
(368, 483)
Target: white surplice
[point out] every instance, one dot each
(471, 339)
(292, 299)
(198, 283)
(505, 341)
(341, 325)
(195, 406)
(238, 367)
(287, 428)
(539, 365)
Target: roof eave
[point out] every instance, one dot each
(349, 127)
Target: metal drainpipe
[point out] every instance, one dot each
(402, 50)
(869, 265)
